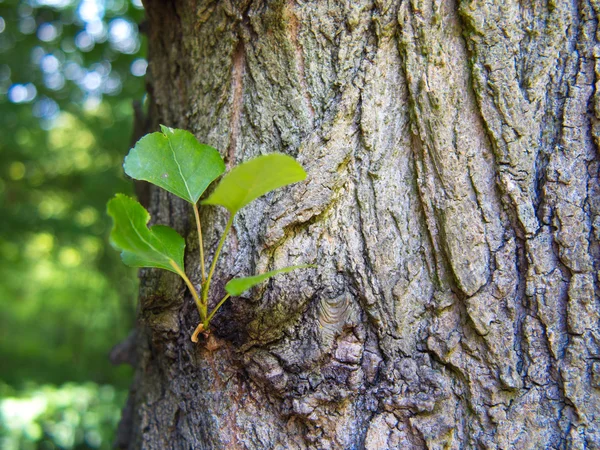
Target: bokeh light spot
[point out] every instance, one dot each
(84, 41)
(97, 29)
(22, 93)
(138, 67)
(46, 108)
(113, 85)
(86, 217)
(91, 10)
(47, 32)
(23, 137)
(91, 246)
(69, 257)
(73, 71)
(55, 3)
(27, 25)
(39, 246)
(122, 35)
(16, 171)
(49, 63)
(92, 81)
(53, 205)
(55, 81)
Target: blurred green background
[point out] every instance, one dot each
(69, 72)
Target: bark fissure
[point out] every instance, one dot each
(237, 105)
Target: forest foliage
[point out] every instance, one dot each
(69, 72)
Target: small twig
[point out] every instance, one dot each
(199, 329)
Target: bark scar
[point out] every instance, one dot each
(237, 102)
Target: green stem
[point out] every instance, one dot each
(197, 214)
(214, 311)
(199, 305)
(206, 285)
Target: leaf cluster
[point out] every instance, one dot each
(174, 160)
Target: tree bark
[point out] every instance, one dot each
(452, 207)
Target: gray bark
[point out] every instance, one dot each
(452, 206)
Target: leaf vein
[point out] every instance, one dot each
(141, 237)
(179, 168)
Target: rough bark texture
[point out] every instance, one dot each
(452, 206)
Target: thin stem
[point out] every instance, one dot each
(214, 311)
(197, 214)
(206, 286)
(199, 329)
(199, 305)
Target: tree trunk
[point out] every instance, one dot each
(452, 206)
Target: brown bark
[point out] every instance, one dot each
(452, 207)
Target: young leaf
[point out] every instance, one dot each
(175, 161)
(238, 285)
(159, 246)
(254, 178)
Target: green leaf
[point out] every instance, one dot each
(254, 178)
(238, 285)
(175, 161)
(159, 246)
